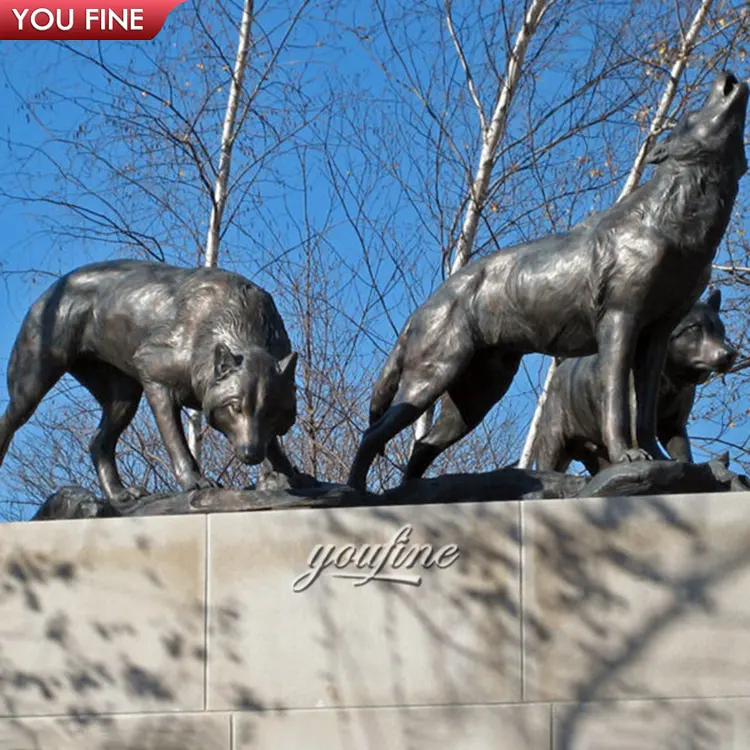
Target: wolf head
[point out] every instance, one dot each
(251, 399)
(698, 345)
(715, 131)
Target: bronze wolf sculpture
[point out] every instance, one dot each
(570, 423)
(202, 338)
(617, 282)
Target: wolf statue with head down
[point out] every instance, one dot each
(202, 338)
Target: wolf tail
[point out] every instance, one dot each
(6, 435)
(388, 382)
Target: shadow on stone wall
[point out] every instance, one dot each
(148, 733)
(639, 599)
(625, 600)
(618, 600)
(135, 644)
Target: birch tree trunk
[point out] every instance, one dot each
(492, 133)
(687, 45)
(221, 187)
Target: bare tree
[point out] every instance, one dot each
(492, 131)
(376, 149)
(221, 186)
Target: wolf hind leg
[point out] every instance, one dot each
(481, 385)
(119, 396)
(396, 418)
(549, 452)
(421, 368)
(387, 384)
(417, 391)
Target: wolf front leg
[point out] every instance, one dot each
(278, 459)
(167, 414)
(647, 373)
(616, 336)
(281, 464)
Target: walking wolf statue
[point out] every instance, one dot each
(616, 283)
(202, 338)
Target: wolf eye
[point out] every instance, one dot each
(234, 407)
(691, 329)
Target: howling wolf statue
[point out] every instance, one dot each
(617, 283)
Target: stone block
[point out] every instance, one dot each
(637, 597)
(102, 615)
(697, 724)
(510, 727)
(339, 642)
(144, 732)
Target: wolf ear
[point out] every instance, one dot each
(658, 154)
(287, 366)
(714, 300)
(225, 361)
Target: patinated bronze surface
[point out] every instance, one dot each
(618, 282)
(620, 480)
(202, 338)
(570, 423)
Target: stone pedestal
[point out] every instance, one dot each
(579, 624)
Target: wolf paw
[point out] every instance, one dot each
(128, 496)
(654, 451)
(205, 483)
(273, 481)
(634, 454)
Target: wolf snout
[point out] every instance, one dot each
(725, 360)
(729, 85)
(720, 360)
(728, 91)
(251, 454)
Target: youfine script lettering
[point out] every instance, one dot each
(375, 562)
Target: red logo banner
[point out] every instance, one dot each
(82, 19)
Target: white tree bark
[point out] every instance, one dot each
(492, 134)
(221, 187)
(687, 45)
(657, 124)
